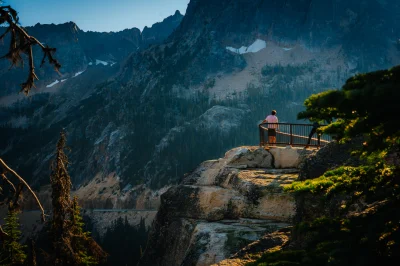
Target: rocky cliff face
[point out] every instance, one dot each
(161, 30)
(203, 89)
(295, 32)
(223, 205)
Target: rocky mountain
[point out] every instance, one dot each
(161, 30)
(155, 116)
(78, 49)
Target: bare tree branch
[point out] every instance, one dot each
(25, 184)
(21, 43)
(2, 233)
(9, 182)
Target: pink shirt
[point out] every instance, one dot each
(272, 119)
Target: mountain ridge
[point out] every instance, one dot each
(162, 95)
(77, 48)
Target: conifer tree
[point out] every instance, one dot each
(12, 252)
(80, 238)
(71, 245)
(367, 105)
(31, 259)
(61, 187)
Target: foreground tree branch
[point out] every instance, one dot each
(21, 43)
(9, 182)
(26, 185)
(2, 233)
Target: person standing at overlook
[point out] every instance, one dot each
(272, 121)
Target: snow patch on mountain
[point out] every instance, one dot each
(101, 62)
(257, 46)
(52, 84)
(78, 73)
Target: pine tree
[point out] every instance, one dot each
(31, 259)
(81, 239)
(12, 252)
(131, 241)
(71, 245)
(367, 105)
(61, 187)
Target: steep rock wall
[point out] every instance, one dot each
(223, 205)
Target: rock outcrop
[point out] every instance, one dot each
(224, 205)
(270, 242)
(333, 155)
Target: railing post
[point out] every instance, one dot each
(319, 140)
(291, 135)
(261, 135)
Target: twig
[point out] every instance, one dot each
(32, 76)
(15, 204)
(9, 182)
(2, 233)
(31, 38)
(26, 185)
(46, 50)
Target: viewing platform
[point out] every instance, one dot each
(292, 134)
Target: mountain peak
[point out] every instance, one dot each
(72, 26)
(178, 13)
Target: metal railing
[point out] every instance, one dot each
(292, 134)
